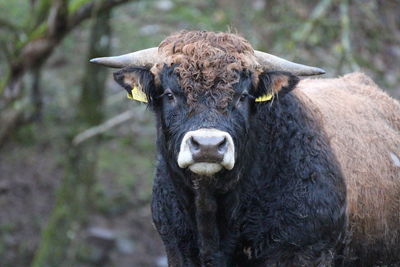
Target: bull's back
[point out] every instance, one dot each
(363, 125)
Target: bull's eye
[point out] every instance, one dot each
(169, 95)
(243, 97)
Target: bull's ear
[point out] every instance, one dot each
(137, 81)
(275, 83)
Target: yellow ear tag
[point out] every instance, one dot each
(137, 94)
(264, 98)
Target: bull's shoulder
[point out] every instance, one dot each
(361, 84)
(352, 84)
(346, 82)
(354, 92)
(359, 78)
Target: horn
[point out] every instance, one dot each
(143, 57)
(268, 61)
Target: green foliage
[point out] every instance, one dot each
(17, 12)
(40, 12)
(74, 5)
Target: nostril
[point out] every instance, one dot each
(194, 145)
(222, 146)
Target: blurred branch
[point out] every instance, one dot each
(87, 9)
(5, 50)
(76, 4)
(347, 55)
(43, 38)
(10, 120)
(36, 95)
(4, 24)
(40, 12)
(104, 127)
(317, 14)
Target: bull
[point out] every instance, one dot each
(256, 167)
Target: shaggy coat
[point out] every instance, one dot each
(363, 125)
(317, 175)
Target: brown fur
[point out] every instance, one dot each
(208, 63)
(363, 124)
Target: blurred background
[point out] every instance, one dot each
(77, 157)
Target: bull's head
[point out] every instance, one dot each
(204, 88)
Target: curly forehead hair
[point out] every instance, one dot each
(207, 63)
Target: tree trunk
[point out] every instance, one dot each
(75, 193)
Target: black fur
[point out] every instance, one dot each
(284, 202)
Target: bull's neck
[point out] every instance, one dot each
(206, 220)
(289, 137)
